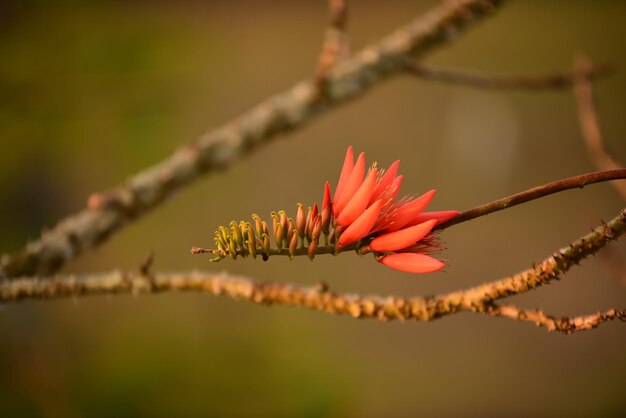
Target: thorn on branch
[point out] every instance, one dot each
(146, 264)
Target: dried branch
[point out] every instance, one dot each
(589, 124)
(475, 299)
(563, 324)
(484, 81)
(110, 211)
(576, 182)
(335, 44)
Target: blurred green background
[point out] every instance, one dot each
(93, 91)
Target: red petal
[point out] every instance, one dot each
(359, 201)
(352, 185)
(362, 226)
(346, 170)
(412, 263)
(386, 180)
(326, 200)
(409, 211)
(440, 217)
(398, 240)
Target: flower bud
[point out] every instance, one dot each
(284, 222)
(232, 251)
(236, 233)
(251, 240)
(290, 230)
(317, 229)
(258, 226)
(300, 221)
(264, 228)
(279, 237)
(266, 247)
(326, 215)
(274, 216)
(293, 244)
(312, 249)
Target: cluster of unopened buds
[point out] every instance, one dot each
(363, 215)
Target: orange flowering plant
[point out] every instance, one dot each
(363, 215)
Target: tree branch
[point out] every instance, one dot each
(563, 324)
(484, 81)
(335, 44)
(475, 299)
(575, 182)
(110, 211)
(589, 123)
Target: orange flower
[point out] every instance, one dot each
(362, 215)
(366, 213)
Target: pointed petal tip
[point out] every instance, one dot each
(350, 186)
(408, 212)
(326, 199)
(412, 263)
(439, 216)
(346, 170)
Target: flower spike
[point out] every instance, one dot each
(363, 215)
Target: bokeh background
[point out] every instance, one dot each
(93, 91)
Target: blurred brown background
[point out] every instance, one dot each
(93, 91)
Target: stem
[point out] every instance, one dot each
(535, 193)
(300, 251)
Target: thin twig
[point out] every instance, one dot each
(335, 44)
(589, 123)
(576, 182)
(475, 299)
(484, 81)
(110, 211)
(551, 323)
